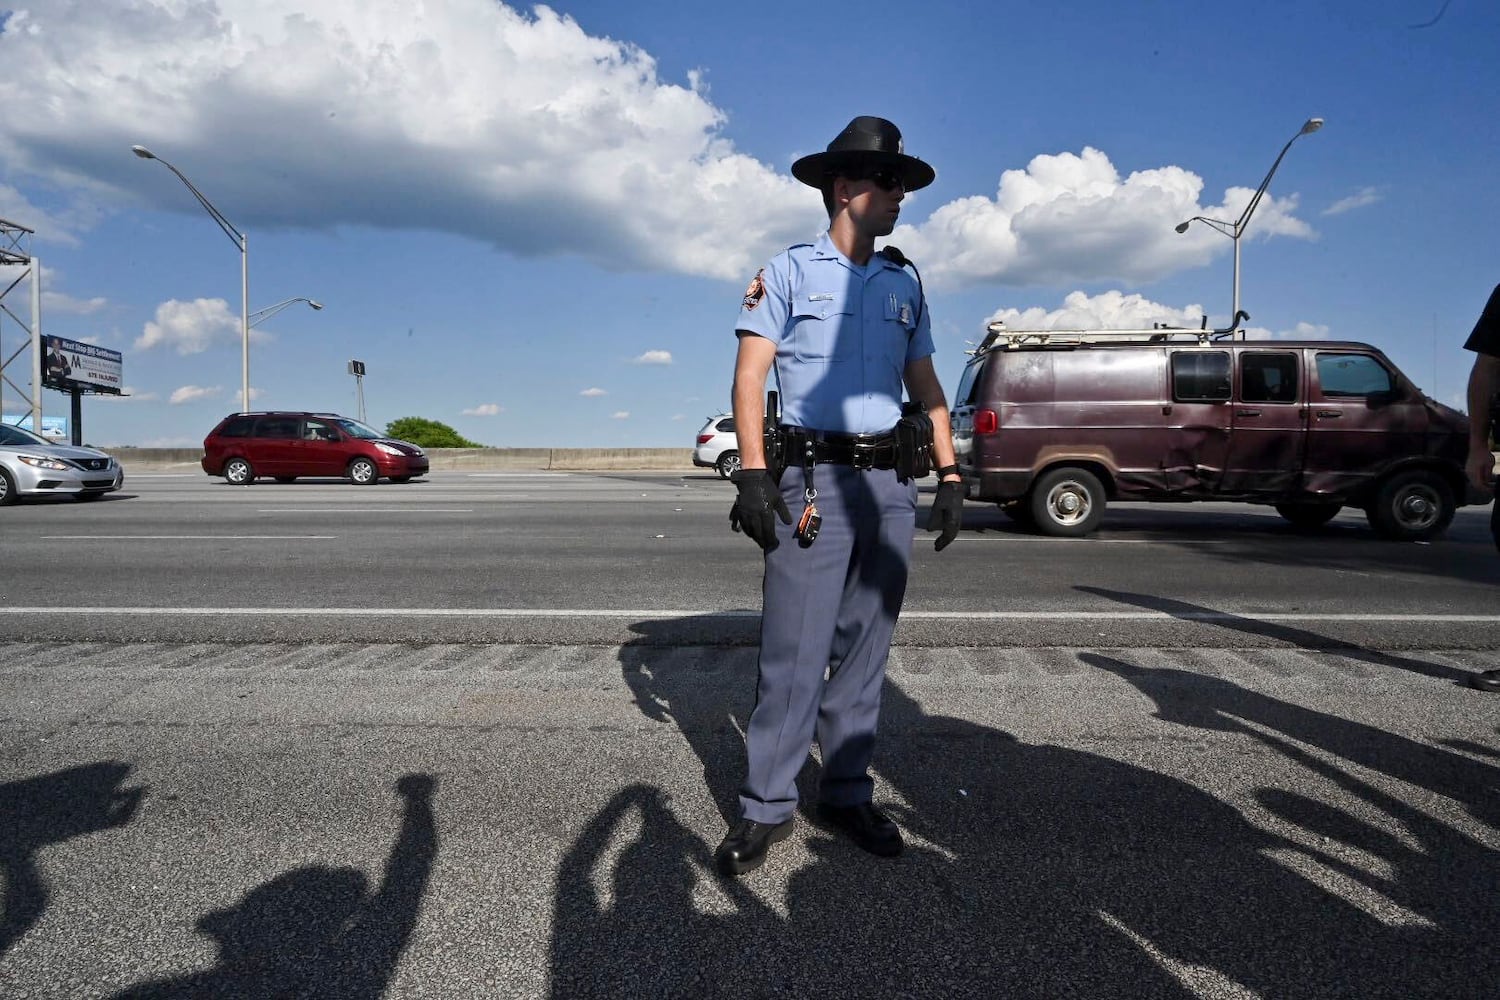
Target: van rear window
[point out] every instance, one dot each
(1200, 376)
(237, 427)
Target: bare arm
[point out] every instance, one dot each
(922, 385)
(1484, 379)
(748, 398)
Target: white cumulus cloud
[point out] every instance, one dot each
(190, 327)
(193, 393)
(484, 410)
(1112, 310)
(620, 415)
(653, 358)
(1072, 218)
(594, 391)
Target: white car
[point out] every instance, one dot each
(33, 466)
(718, 448)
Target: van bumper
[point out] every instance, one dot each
(997, 486)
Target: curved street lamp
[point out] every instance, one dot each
(1234, 230)
(239, 239)
(261, 315)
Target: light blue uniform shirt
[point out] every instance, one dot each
(843, 334)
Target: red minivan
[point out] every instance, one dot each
(285, 445)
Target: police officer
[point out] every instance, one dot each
(844, 329)
(1484, 384)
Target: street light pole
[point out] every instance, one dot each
(239, 240)
(1234, 230)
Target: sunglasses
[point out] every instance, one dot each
(885, 179)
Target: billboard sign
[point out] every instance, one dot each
(69, 365)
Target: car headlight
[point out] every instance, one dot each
(390, 449)
(45, 463)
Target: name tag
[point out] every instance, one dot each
(897, 310)
(820, 297)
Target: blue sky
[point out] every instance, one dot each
(535, 223)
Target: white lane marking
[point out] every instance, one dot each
(1090, 540)
(162, 475)
(1203, 616)
(518, 475)
(365, 510)
(175, 538)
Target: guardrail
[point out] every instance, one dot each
(472, 459)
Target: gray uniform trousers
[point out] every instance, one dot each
(831, 606)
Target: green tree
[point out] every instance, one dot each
(428, 433)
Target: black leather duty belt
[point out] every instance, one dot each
(860, 451)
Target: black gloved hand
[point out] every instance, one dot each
(758, 501)
(947, 513)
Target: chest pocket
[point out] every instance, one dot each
(824, 325)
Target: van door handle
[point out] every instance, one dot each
(1329, 414)
(1247, 413)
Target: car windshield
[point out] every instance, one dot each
(10, 434)
(354, 428)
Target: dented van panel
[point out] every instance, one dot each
(1308, 426)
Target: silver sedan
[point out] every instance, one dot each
(34, 466)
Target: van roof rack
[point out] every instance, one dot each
(998, 335)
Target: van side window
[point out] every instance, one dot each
(318, 430)
(277, 427)
(726, 425)
(1353, 375)
(1200, 376)
(1267, 377)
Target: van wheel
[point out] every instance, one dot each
(1308, 515)
(238, 472)
(728, 464)
(8, 494)
(362, 472)
(1067, 502)
(1412, 506)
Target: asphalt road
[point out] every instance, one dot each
(478, 736)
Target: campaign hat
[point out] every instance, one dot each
(868, 143)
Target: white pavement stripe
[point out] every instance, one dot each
(519, 475)
(1197, 616)
(365, 510)
(178, 538)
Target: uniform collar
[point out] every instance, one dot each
(824, 249)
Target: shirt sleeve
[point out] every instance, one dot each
(921, 345)
(766, 306)
(1486, 336)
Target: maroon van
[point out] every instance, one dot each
(285, 445)
(1052, 425)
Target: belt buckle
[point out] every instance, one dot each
(862, 455)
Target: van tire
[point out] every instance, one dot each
(362, 472)
(1308, 515)
(239, 472)
(1412, 506)
(1067, 502)
(728, 464)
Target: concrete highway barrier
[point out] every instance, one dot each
(448, 459)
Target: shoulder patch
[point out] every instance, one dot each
(756, 291)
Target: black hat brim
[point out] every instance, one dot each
(816, 168)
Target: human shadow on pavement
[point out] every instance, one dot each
(36, 813)
(1300, 638)
(1442, 875)
(1031, 871)
(319, 931)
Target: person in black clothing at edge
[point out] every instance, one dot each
(1484, 383)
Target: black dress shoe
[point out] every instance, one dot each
(1489, 680)
(746, 844)
(866, 826)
